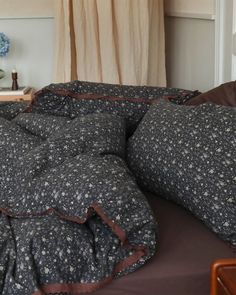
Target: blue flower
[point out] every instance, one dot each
(4, 44)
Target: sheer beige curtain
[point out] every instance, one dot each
(112, 41)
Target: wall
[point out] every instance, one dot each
(26, 8)
(190, 53)
(30, 27)
(190, 7)
(190, 43)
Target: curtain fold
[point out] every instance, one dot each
(63, 46)
(111, 41)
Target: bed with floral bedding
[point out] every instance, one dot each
(72, 214)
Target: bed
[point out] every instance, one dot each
(183, 261)
(97, 183)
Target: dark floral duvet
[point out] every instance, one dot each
(71, 215)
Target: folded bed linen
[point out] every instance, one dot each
(71, 214)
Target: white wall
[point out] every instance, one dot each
(201, 7)
(190, 53)
(30, 27)
(190, 43)
(27, 8)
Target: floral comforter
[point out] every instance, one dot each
(71, 215)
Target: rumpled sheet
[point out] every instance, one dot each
(71, 214)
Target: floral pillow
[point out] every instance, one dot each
(81, 98)
(11, 109)
(187, 155)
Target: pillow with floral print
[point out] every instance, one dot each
(187, 155)
(82, 98)
(10, 109)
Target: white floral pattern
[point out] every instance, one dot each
(187, 154)
(70, 210)
(129, 102)
(9, 110)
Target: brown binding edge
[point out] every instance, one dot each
(77, 288)
(73, 289)
(94, 96)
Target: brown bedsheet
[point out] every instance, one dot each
(181, 265)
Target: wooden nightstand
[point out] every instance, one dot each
(24, 97)
(223, 277)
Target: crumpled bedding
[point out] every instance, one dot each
(71, 214)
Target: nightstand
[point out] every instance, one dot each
(23, 97)
(223, 277)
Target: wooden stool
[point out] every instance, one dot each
(223, 277)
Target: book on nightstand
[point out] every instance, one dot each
(8, 91)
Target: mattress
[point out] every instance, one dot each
(182, 263)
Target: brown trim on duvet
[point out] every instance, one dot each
(90, 96)
(77, 288)
(114, 227)
(94, 96)
(73, 289)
